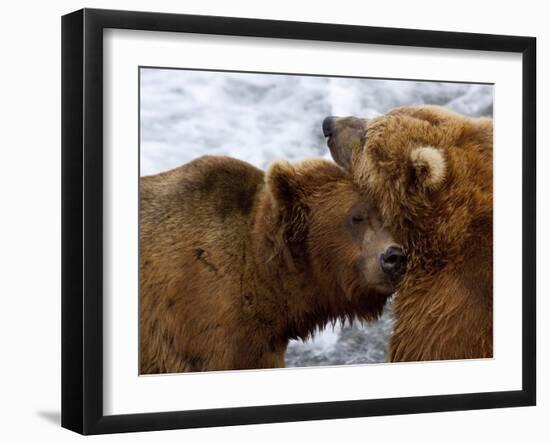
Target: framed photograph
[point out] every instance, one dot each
(268, 221)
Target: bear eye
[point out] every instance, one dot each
(357, 218)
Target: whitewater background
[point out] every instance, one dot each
(260, 118)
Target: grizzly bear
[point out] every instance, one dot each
(428, 171)
(235, 262)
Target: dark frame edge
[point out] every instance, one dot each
(309, 411)
(72, 221)
(294, 30)
(529, 220)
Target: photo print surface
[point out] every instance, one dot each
(298, 221)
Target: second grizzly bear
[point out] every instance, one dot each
(429, 172)
(234, 264)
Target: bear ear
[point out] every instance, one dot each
(283, 181)
(429, 167)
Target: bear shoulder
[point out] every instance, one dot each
(224, 184)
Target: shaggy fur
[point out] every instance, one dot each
(235, 264)
(429, 172)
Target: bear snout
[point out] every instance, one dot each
(328, 126)
(393, 262)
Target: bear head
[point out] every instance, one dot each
(326, 231)
(428, 171)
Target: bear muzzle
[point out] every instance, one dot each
(328, 125)
(393, 262)
(344, 134)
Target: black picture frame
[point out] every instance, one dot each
(82, 219)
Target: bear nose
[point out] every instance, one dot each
(328, 125)
(393, 262)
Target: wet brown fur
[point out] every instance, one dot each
(444, 306)
(234, 263)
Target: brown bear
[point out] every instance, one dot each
(235, 262)
(428, 171)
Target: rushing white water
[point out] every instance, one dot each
(263, 117)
